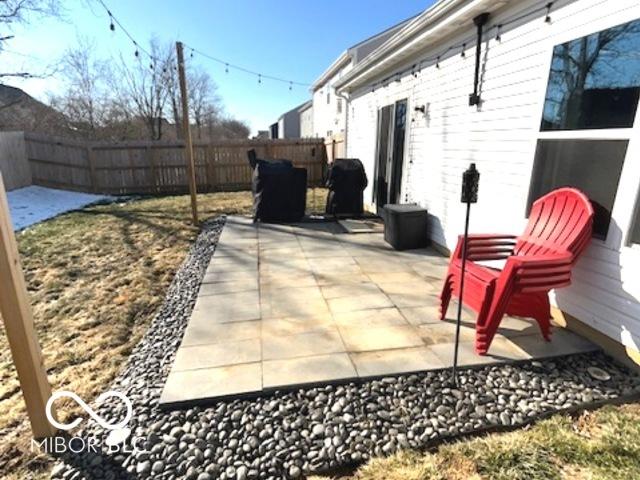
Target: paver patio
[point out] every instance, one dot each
(288, 305)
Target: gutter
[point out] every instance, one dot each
(430, 26)
(346, 119)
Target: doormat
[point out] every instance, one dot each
(361, 226)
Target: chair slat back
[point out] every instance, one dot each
(560, 221)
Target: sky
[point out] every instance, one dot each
(293, 39)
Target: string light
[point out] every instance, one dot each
(113, 21)
(229, 65)
(546, 7)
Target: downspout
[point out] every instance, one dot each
(346, 120)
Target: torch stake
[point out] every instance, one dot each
(458, 319)
(470, 181)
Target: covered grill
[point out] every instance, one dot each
(279, 190)
(346, 181)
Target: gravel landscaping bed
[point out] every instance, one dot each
(290, 434)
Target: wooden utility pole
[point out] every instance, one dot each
(18, 323)
(186, 127)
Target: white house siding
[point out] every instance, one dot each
(501, 138)
(326, 119)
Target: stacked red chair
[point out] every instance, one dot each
(541, 259)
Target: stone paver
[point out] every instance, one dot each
(206, 383)
(402, 360)
(307, 370)
(287, 305)
(318, 342)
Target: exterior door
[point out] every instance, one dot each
(397, 157)
(392, 121)
(380, 180)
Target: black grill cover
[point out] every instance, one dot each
(279, 191)
(346, 181)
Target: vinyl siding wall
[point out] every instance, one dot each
(500, 137)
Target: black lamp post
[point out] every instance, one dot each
(470, 181)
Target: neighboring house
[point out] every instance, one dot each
(329, 112)
(288, 125)
(559, 85)
(306, 120)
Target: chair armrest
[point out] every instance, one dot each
(486, 246)
(550, 260)
(538, 272)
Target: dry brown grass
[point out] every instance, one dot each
(604, 444)
(96, 278)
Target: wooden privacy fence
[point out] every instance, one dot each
(144, 167)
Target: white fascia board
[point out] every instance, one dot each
(438, 21)
(342, 61)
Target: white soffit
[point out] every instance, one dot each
(407, 42)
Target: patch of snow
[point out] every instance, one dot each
(31, 205)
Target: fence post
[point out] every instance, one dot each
(18, 323)
(187, 133)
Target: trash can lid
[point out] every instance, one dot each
(404, 208)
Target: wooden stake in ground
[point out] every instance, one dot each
(186, 127)
(18, 323)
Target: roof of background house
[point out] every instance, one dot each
(305, 106)
(437, 21)
(351, 54)
(294, 110)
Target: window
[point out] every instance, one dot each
(339, 105)
(594, 84)
(594, 81)
(560, 163)
(328, 98)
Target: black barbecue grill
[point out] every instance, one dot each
(346, 181)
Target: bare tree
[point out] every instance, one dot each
(204, 104)
(14, 12)
(144, 87)
(84, 100)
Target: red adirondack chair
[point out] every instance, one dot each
(538, 261)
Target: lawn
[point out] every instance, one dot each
(96, 278)
(604, 444)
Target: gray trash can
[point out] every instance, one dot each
(405, 226)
